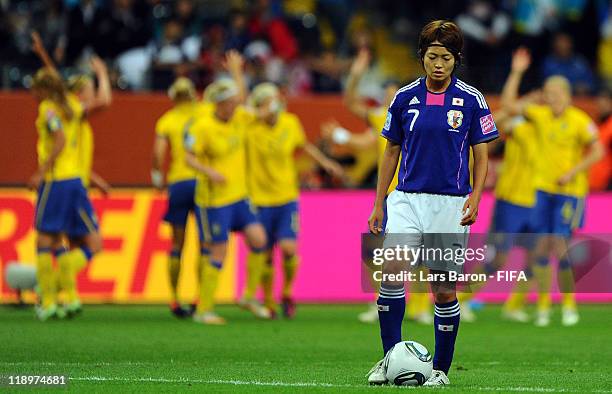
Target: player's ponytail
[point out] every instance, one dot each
(51, 87)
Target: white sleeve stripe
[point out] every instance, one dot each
(474, 92)
(403, 89)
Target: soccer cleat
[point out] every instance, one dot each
(517, 315)
(288, 307)
(255, 308)
(273, 314)
(467, 314)
(369, 316)
(44, 314)
(378, 374)
(438, 378)
(210, 318)
(569, 317)
(542, 319)
(425, 318)
(178, 310)
(73, 308)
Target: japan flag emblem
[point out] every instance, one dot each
(454, 118)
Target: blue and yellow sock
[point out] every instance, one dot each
(446, 327)
(391, 308)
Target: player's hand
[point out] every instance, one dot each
(157, 179)
(521, 59)
(328, 127)
(233, 61)
(470, 210)
(376, 219)
(37, 45)
(35, 181)
(97, 65)
(104, 188)
(215, 176)
(361, 62)
(565, 179)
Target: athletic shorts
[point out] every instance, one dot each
(558, 214)
(215, 224)
(180, 202)
(280, 222)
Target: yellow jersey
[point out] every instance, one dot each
(86, 151)
(561, 144)
(221, 146)
(172, 125)
(272, 174)
(376, 120)
(515, 182)
(51, 120)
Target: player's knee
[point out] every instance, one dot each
(257, 238)
(94, 243)
(443, 297)
(288, 249)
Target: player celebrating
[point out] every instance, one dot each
(568, 144)
(433, 121)
(181, 179)
(419, 303)
(62, 199)
(272, 141)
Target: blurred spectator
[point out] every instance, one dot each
(563, 61)
(172, 56)
(126, 26)
(600, 174)
(266, 23)
(50, 22)
(237, 33)
(185, 12)
(81, 29)
(605, 51)
(485, 27)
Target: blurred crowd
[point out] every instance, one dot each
(304, 45)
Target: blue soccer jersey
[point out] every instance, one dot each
(435, 131)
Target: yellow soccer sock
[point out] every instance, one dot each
(568, 301)
(174, 271)
(203, 259)
(290, 266)
(78, 260)
(542, 272)
(565, 277)
(208, 287)
(65, 279)
(267, 283)
(256, 262)
(518, 297)
(46, 277)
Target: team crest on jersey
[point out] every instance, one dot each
(454, 118)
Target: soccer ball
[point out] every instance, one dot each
(408, 363)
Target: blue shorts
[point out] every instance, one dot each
(558, 214)
(280, 222)
(180, 202)
(215, 224)
(64, 207)
(511, 219)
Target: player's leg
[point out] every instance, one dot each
(371, 314)
(174, 269)
(255, 235)
(286, 232)
(45, 275)
(216, 219)
(267, 218)
(544, 215)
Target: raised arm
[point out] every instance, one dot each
(521, 59)
(351, 98)
(103, 97)
(39, 49)
(234, 64)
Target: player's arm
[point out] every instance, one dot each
(481, 159)
(59, 141)
(332, 131)
(330, 166)
(386, 171)
(39, 49)
(351, 98)
(160, 147)
(193, 162)
(595, 152)
(104, 96)
(100, 183)
(521, 59)
(234, 63)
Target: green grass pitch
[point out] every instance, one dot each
(325, 349)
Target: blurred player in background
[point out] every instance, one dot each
(433, 122)
(419, 305)
(273, 139)
(216, 149)
(181, 179)
(568, 145)
(83, 235)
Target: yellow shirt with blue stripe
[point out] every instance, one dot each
(172, 125)
(50, 120)
(561, 145)
(221, 146)
(516, 180)
(272, 173)
(376, 120)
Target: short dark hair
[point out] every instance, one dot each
(445, 32)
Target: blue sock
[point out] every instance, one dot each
(391, 307)
(446, 326)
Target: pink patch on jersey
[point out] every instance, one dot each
(487, 124)
(435, 99)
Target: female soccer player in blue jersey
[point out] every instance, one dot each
(433, 122)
